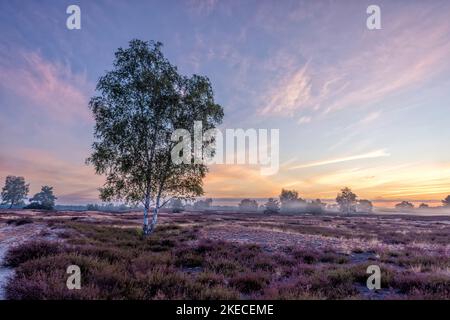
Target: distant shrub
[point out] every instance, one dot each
(250, 282)
(404, 205)
(20, 221)
(346, 200)
(272, 206)
(248, 205)
(38, 206)
(365, 206)
(203, 204)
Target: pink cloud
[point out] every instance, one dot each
(411, 49)
(51, 87)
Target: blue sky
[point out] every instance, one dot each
(364, 108)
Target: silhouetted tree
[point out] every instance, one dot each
(272, 206)
(141, 102)
(423, 206)
(203, 204)
(446, 201)
(176, 205)
(319, 203)
(346, 200)
(315, 207)
(290, 200)
(44, 199)
(14, 191)
(365, 206)
(404, 205)
(248, 205)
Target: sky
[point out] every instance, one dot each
(367, 109)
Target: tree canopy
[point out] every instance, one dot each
(346, 200)
(290, 200)
(248, 205)
(404, 205)
(272, 206)
(141, 102)
(45, 198)
(14, 191)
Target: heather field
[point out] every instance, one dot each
(218, 255)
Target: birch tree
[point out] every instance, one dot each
(140, 103)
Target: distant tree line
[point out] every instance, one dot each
(291, 202)
(110, 207)
(15, 191)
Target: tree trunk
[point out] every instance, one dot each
(154, 217)
(145, 228)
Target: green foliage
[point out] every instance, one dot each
(14, 191)
(43, 200)
(141, 102)
(38, 206)
(346, 200)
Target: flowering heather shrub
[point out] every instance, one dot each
(29, 251)
(422, 286)
(169, 281)
(250, 282)
(188, 259)
(264, 263)
(222, 265)
(210, 278)
(306, 256)
(119, 263)
(143, 263)
(216, 293)
(111, 255)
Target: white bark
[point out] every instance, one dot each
(155, 216)
(146, 208)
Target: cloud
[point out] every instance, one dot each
(51, 88)
(407, 181)
(369, 155)
(371, 117)
(239, 180)
(293, 93)
(374, 67)
(43, 168)
(304, 119)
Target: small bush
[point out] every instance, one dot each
(38, 206)
(29, 251)
(250, 282)
(19, 221)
